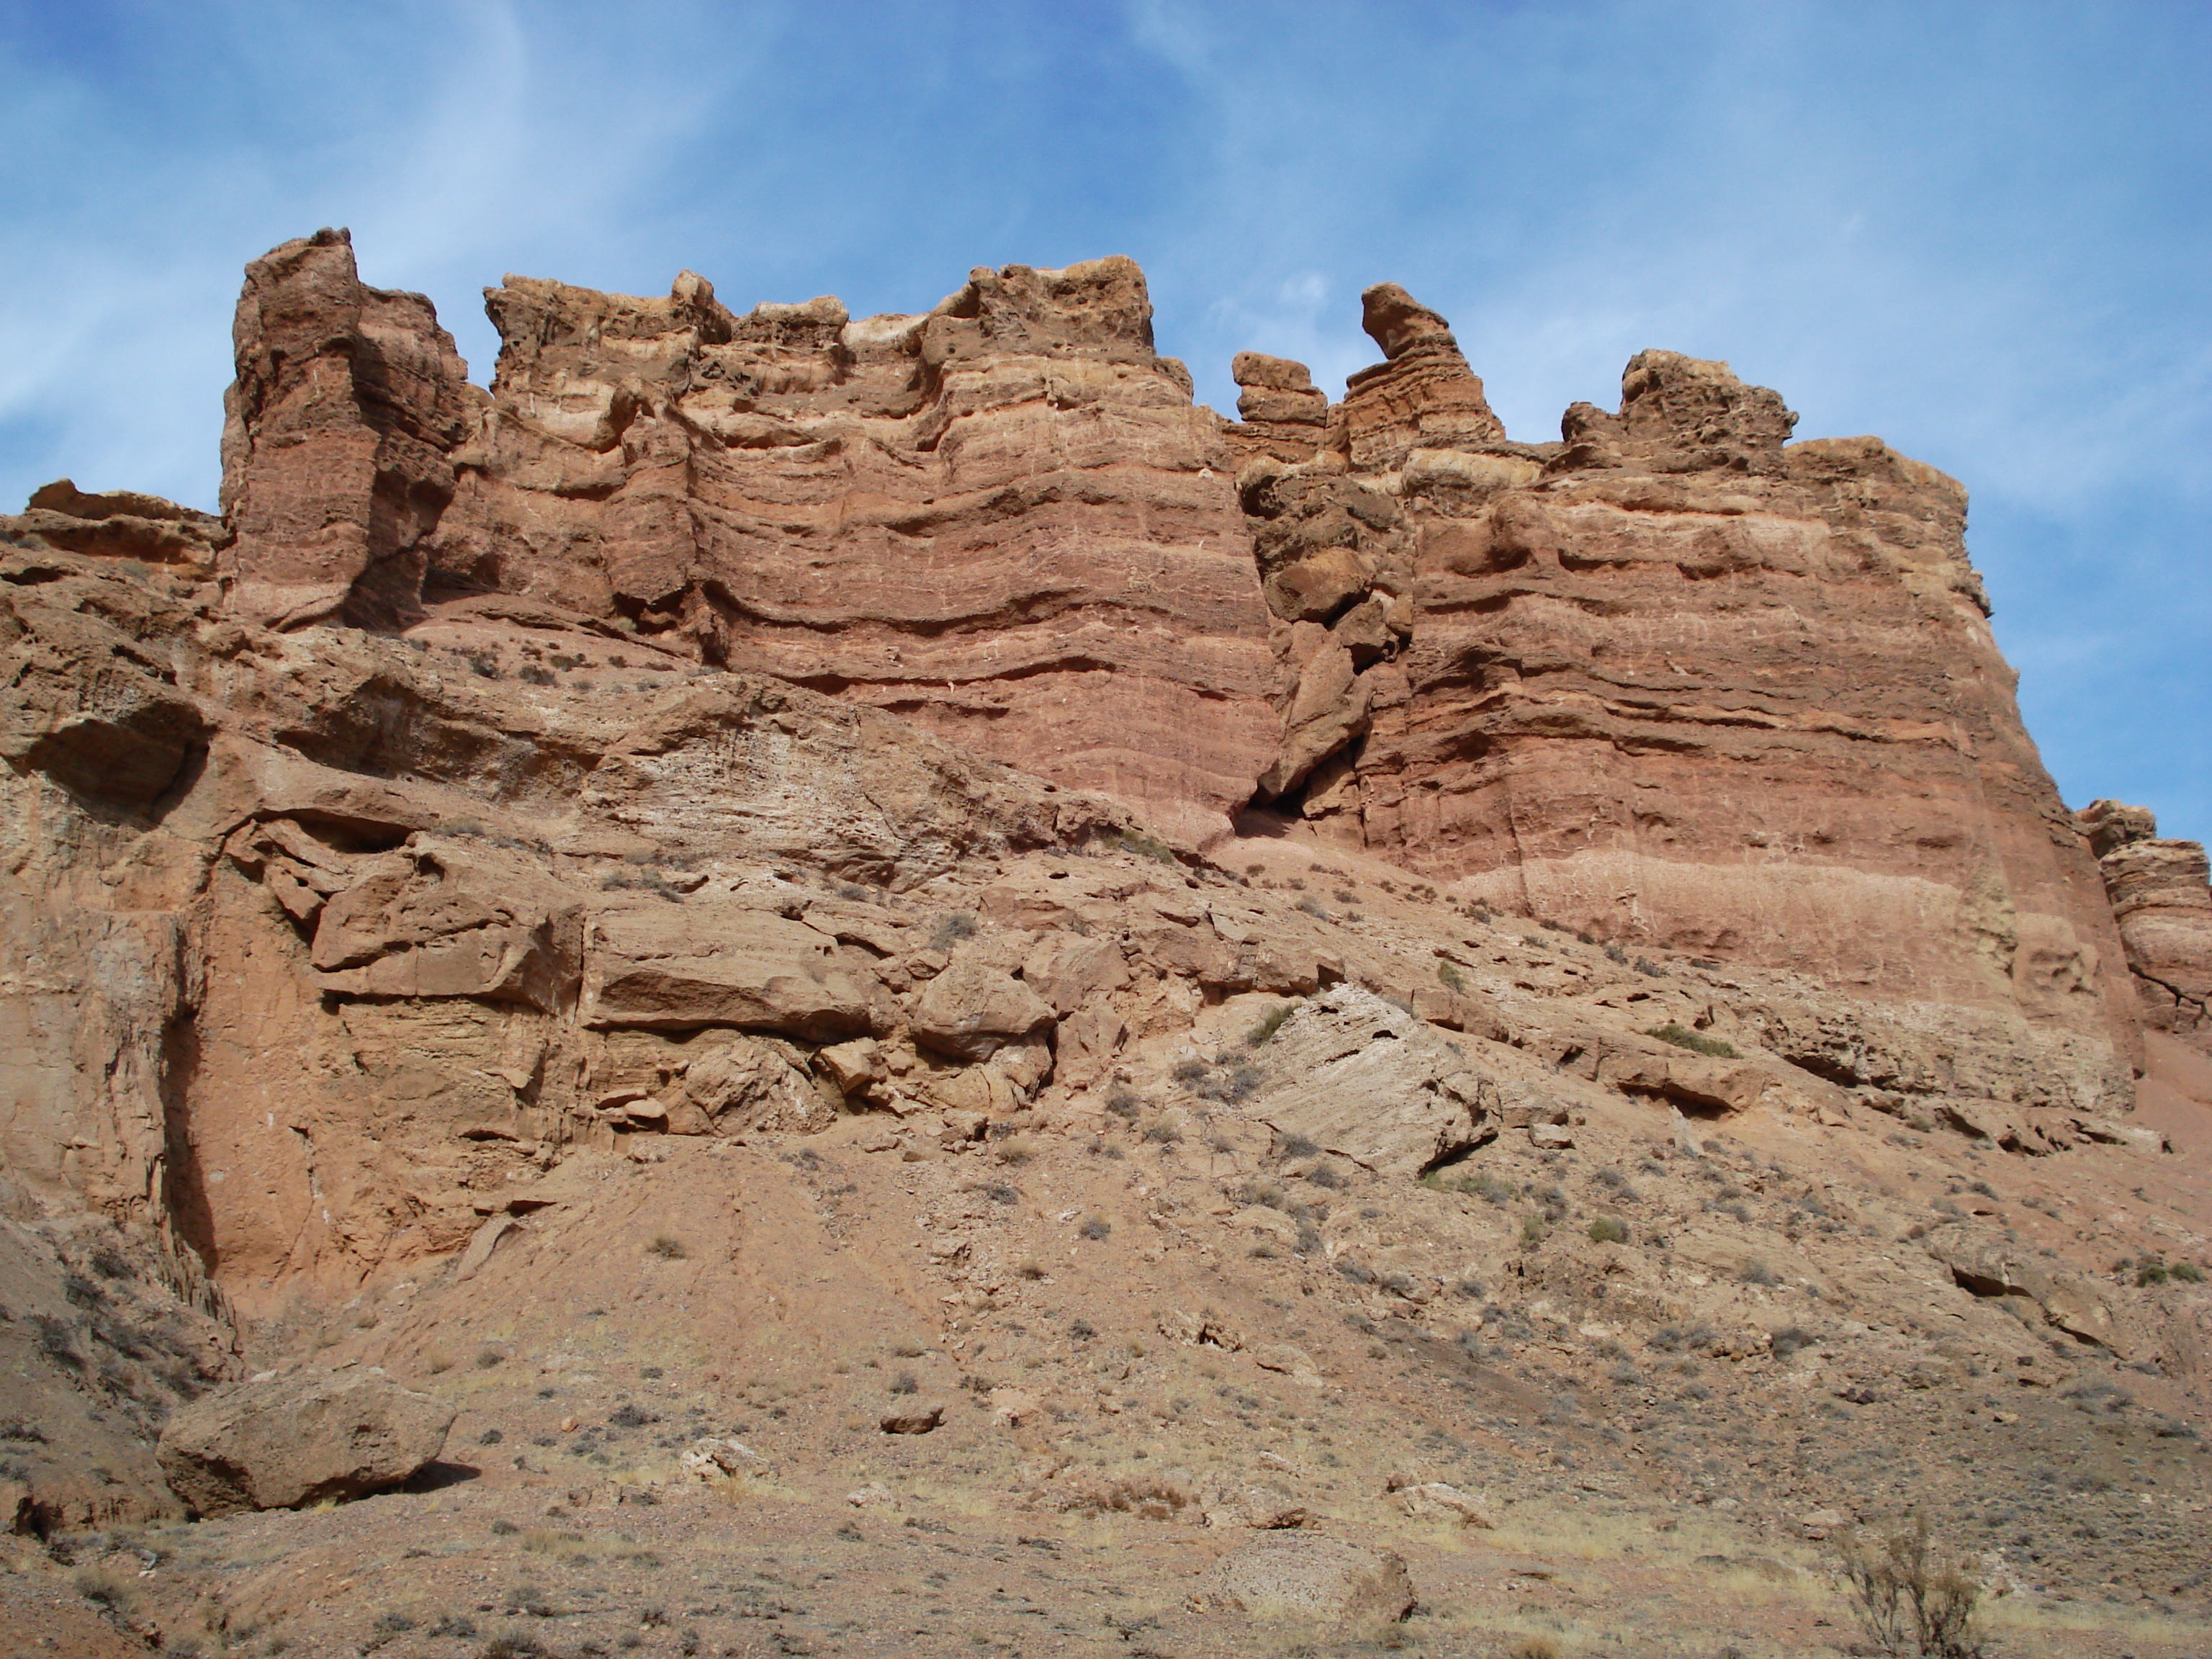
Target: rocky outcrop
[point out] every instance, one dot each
(2162, 902)
(1002, 519)
(119, 524)
(338, 441)
(327, 942)
(286, 1442)
(1639, 682)
(95, 1351)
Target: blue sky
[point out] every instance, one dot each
(1981, 230)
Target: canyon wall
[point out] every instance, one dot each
(1002, 519)
(1673, 680)
(579, 760)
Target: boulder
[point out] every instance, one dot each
(1987, 1267)
(1365, 1080)
(1439, 1500)
(913, 1419)
(299, 1440)
(972, 1009)
(1292, 1576)
(447, 917)
(668, 966)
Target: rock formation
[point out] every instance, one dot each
(1638, 682)
(337, 441)
(2161, 899)
(285, 1443)
(773, 831)
(1003, 519)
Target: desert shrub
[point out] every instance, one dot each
(1149, 847)
(488, 1358)
(1790, 1338)
(951, 929)
(1682, 1037)
(1123, 1103)
(629, 1415)
(1452, 978)
(1190, 1071)
(1484, 1185)
(1267, 1027)
(1015, 1149)
(667, 1247)
(2151, 1271)
(1162, 1132)
(905, 1382)
(1646, 966)
(1082, 1330)
(907, 1349)
(1909, 1598)
(1533, 1232)
(1296, 1145)
(1148, 1498)
(1236, 1083)
(1321, 1176)
(108, 1588)
(1096, 1226)
(1757, 1273)
(1608, 1230)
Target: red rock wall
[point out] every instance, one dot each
(337, 440)
(2163, 904)
(1003, 519)
(1673, 681)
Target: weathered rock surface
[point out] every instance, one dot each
(1003, 519)
(2068, 1300)
(119, 524)
(1640, 682)
(1363, 1078)
(2162, 902)
(337, 440)
(299, 1440)
(1286, 1576)
(96, 1350)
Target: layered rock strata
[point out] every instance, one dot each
(1671, 681)
(322, 936)
(2163, 904)
(1003, 519)
(337, 440)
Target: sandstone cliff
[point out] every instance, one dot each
(1002, 519)
(737, 733)
(1643, 682)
